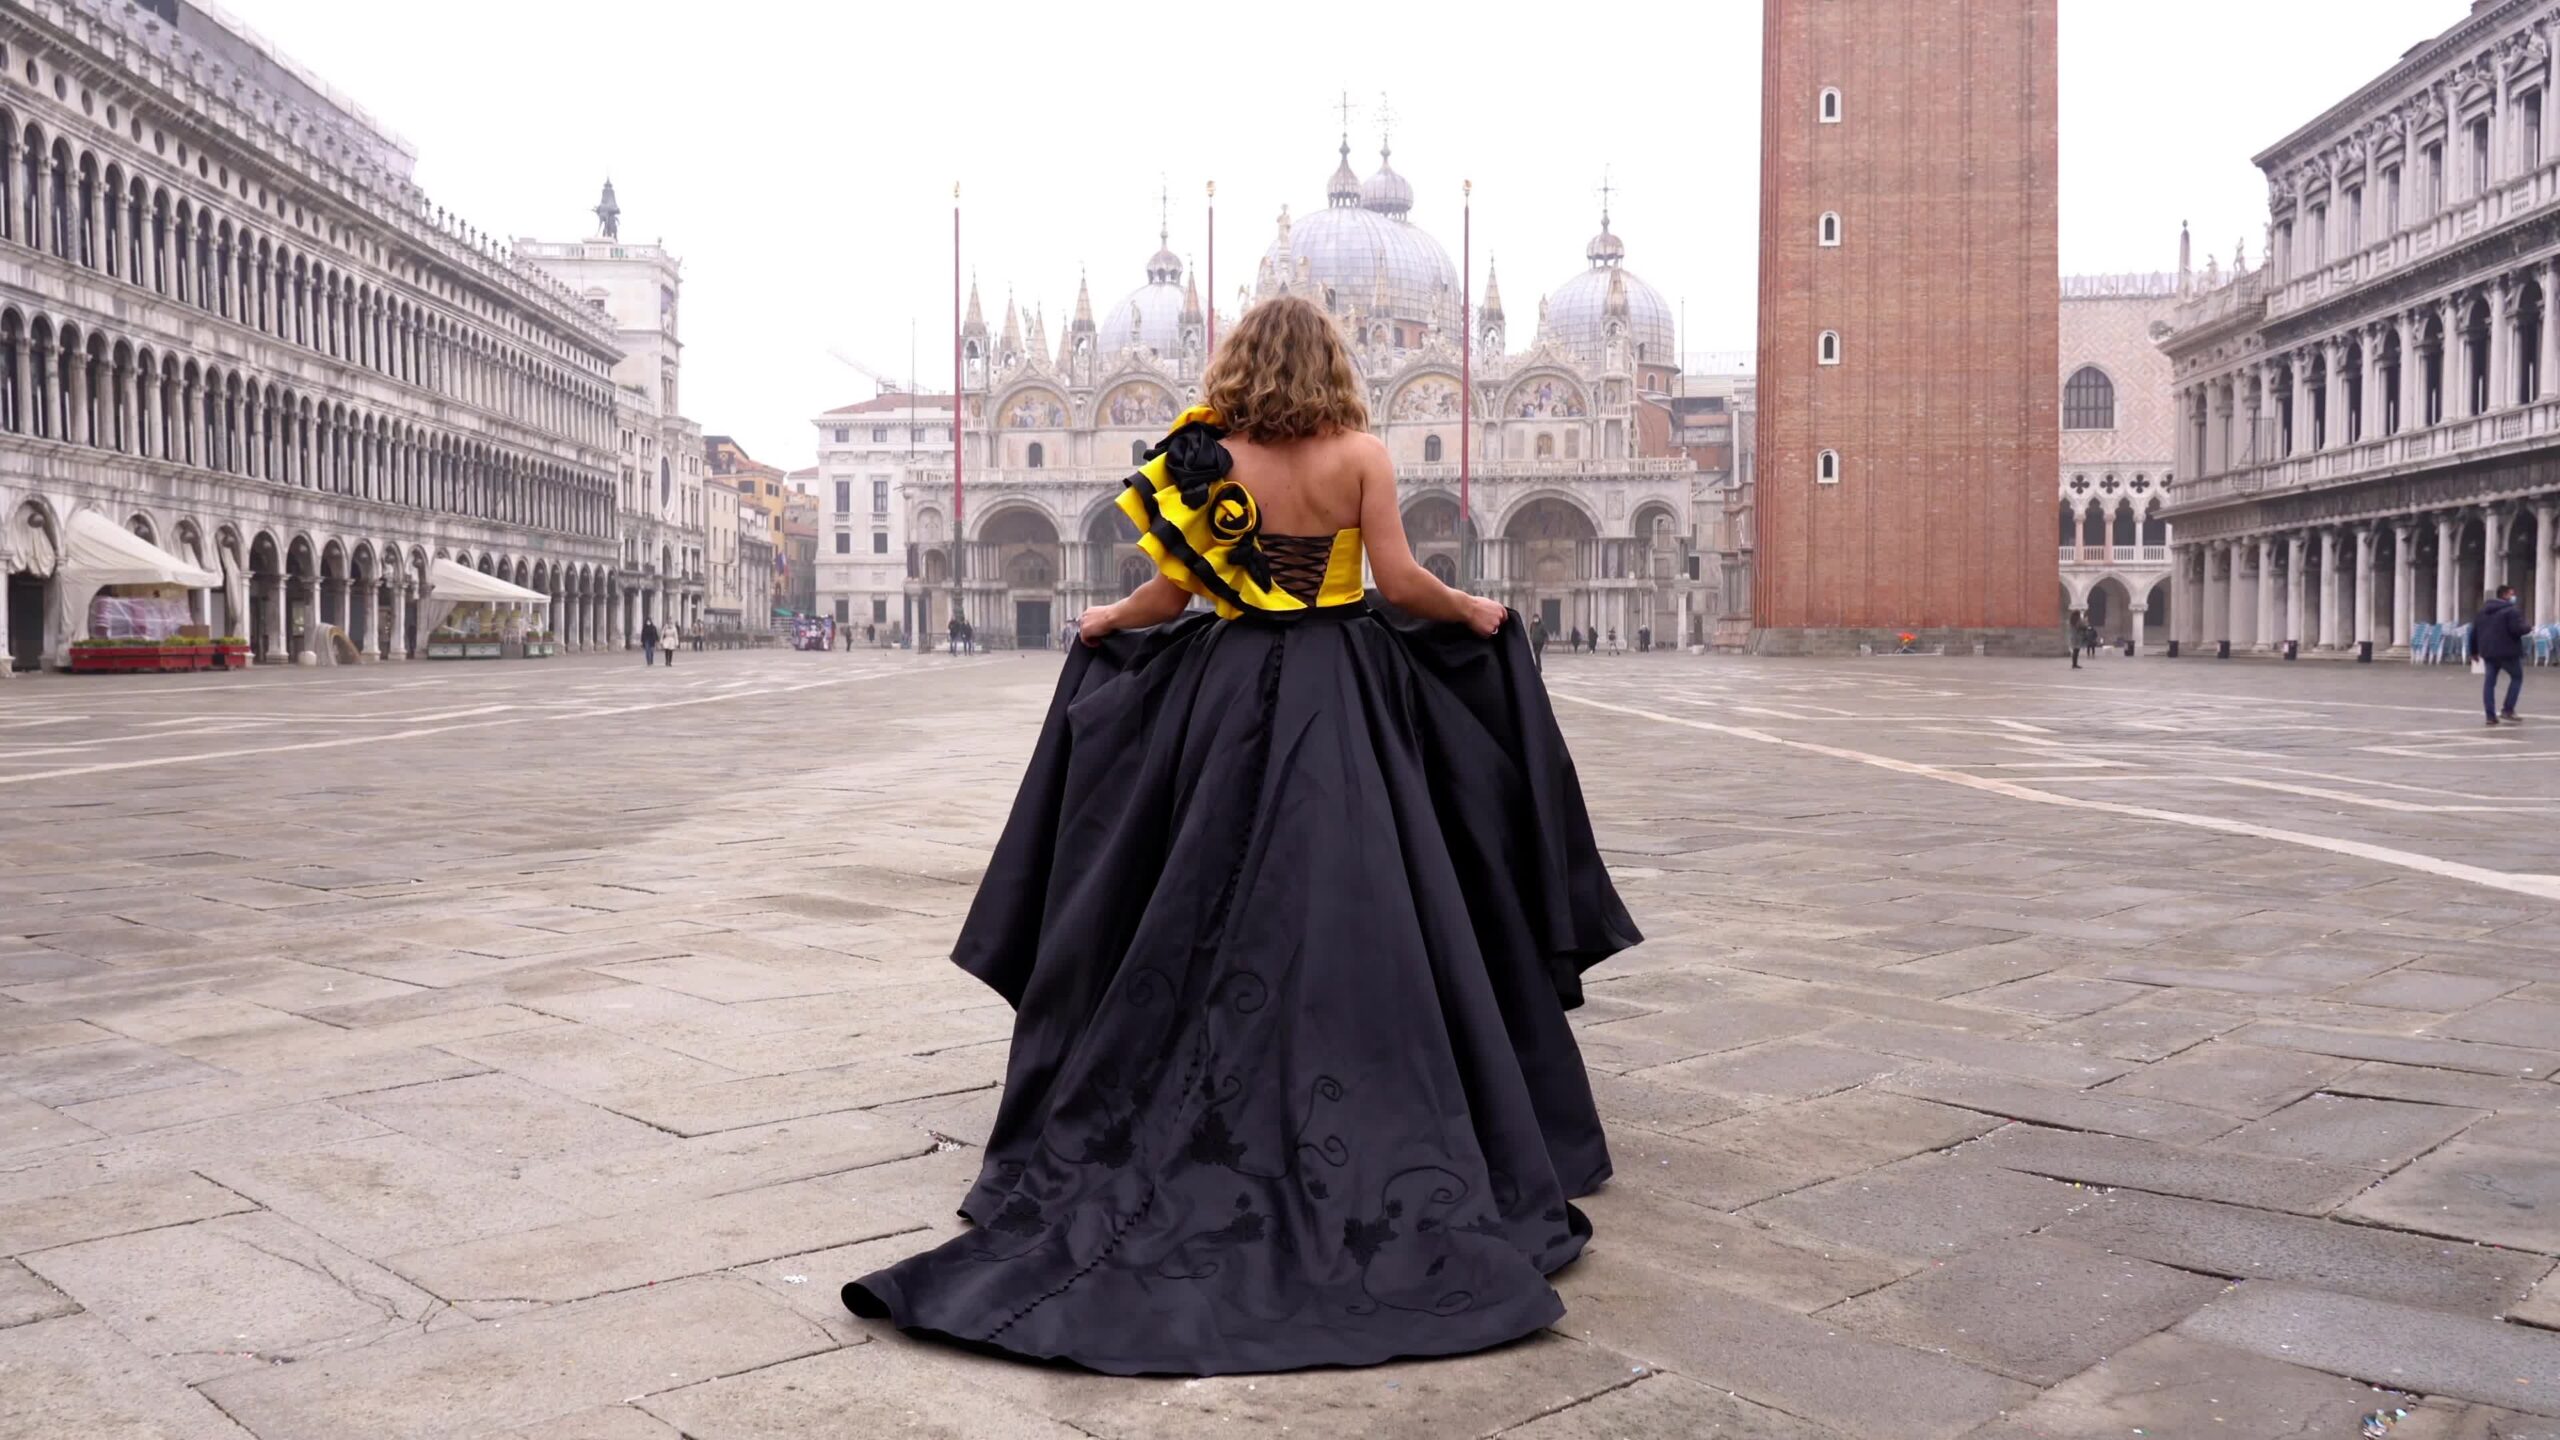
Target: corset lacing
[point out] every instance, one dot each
(1299, 563)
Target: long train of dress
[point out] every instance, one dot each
(1290, 914)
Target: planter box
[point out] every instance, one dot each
(143, 659)
(540, 649)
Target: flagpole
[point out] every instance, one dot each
(1466, 385)
(959, 492)
(1213, 268)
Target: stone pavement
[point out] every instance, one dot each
(2165, 1049)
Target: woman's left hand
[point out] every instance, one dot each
(1096, 623)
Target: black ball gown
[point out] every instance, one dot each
(1290, 909)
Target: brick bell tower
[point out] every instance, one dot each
(1910, 305)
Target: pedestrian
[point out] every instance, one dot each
(1644, 639)
(673, 637)
(648, 642)
(2079, 637)
(2497, 638)
(1613, 640)
(1573, 640)
(1538, 642)
(870, 635)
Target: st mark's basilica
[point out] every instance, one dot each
(1582, 503)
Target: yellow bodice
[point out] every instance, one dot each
(1204, 532)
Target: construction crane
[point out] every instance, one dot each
(887, 385)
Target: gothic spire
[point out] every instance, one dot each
(609, 213)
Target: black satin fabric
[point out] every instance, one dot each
(1290, 913)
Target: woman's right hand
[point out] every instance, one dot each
(1485, 616)
(1095, 624)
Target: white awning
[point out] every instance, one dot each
(100, 553)
(451, 582)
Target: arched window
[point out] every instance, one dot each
(1826, 467)
(1830, 232)
(1828, 352)
(1430, 447)
(2089, 400)
(1831, 105)
(1035, 456)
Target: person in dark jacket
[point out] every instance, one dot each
(2497, 637)
(1538, 642)
(648, 642)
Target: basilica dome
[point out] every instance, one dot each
(1363, 250)
(1578, 311)
(1148, 318)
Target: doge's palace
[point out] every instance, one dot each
(232, 324)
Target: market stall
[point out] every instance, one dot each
(466, 615)
(123, 600)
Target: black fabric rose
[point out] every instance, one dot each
(1194, 460)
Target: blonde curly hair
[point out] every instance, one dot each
(1283, 374)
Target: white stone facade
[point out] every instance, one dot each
(868, 453)
(664, 520)
(2367, 420)
(1582, 507)
(2119, 431)
(231, 323)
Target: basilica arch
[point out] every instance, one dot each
(1015, 567)
(1549, 544)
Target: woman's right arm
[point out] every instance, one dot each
(1400, 577)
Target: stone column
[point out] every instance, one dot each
(396, 644)
(2333, 357)
(2413, 375)
(2332, 602)
(2218, 591)
(2302, 431)
(2364, 584)
(2298, 546)
(2457, 388)
(2217, 428)
(2404, 581)
(2546, 370)
(2374, 402)
(2265, 634)
(2493, 549)
(279, 615)
(2502, 343)
(2544, 593)
(2448, 565)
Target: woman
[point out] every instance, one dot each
(1290, 909)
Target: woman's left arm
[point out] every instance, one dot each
(1153, 603)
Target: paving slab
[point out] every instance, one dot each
(762, 1100)
(1702, 1173)
(2474, 1192)
(2381, 1343)
(537, 1367)
(1663, 1404)
(2269, 1183)
(1757, 1258)
(2417, 988)
(2232, 1077)
(1776, 1072)
(2067, 1066)
(2149, 1030)
(854, 1392)
(643, 1247)
(72, 1376)
(391, 1194)
(2464, 1055)
(1925, 1208)
(25, 1297)
(236, 1293)
(2036, 1309)
(605, 1422)
(273, 1089)
(2008, 1099)
(2516, 1022)
(2350, 1130)
(731, 1160)
(499, 1119)
(2172, 1386)
(1780, 1359)
(1854, 1130)
(2243, 1243)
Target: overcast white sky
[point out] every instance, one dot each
(800, 156)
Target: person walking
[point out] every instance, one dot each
(1538, 642)
(2079, 638)
(648, 642)
(1644, 639)
(2497, 637)
(1290, 908)
(668, 641)
(1573, 640)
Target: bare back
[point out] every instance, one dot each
(1309, 487)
